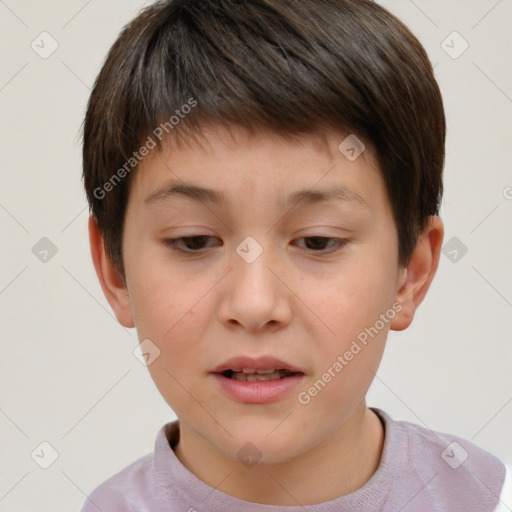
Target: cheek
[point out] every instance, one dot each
(346, 362)
(354, 310)
(164, 313)
(348, 301)
(172, 309)
(161, 295)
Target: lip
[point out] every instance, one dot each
(259, 392)
(257, 363)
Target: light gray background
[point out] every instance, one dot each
(68, 373)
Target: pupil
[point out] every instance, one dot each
(317, 241)
(191, 241)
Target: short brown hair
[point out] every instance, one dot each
(290, 67)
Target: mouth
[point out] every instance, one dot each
(257, 380)
(253, 375)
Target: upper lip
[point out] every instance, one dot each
(256, 363)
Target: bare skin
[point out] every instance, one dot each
(297, 302)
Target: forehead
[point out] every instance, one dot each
(221, 165)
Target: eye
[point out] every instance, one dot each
(318, 243)
(194, 244)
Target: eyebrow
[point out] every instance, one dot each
(329, 194)
(206, 195)
(194, 192)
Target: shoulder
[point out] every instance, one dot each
(141, 486)
(443, 471)
(122, 491)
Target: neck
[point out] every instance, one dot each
(338, 465)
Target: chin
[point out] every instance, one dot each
(262, 443)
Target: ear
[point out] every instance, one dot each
(417, 277)
(111, 283)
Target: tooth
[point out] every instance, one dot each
(248, 370)
(257, 377)
(268, 376)
(265, 372)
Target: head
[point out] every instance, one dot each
(269, 104)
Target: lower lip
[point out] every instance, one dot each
(259, 392)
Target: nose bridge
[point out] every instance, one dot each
(251, 272)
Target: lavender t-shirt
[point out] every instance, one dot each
(420, 470)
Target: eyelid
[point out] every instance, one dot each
(172, 243)
(340, 244)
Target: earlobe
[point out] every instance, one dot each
(417, 277)
(113, 287)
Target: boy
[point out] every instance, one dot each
(264, 180)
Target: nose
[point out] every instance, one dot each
(255, 295)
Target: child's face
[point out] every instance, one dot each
(302, 301)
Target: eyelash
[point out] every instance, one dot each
(172, 243)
